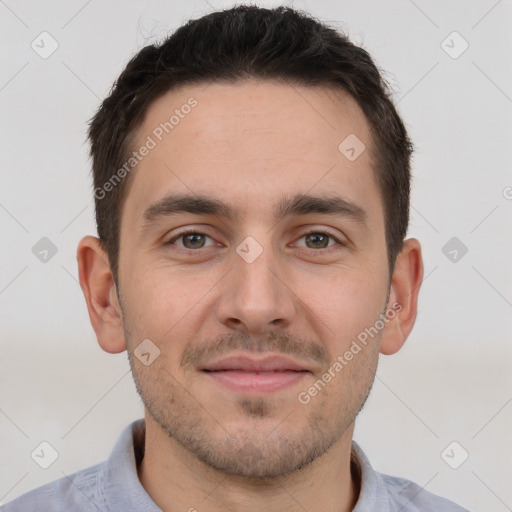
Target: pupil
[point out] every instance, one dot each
(194, 238)
(317, 237)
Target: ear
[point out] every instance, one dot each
(99, 289)
(403, 297)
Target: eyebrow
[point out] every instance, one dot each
(300, 204)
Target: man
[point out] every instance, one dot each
(252, 186)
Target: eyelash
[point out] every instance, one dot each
(312, 232)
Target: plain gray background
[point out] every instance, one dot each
(450, 383)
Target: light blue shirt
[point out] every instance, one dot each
(113, 486)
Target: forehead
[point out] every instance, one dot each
(249, 142)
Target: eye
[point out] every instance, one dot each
(319, 240)
(190, 240)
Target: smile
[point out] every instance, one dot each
(255, 382)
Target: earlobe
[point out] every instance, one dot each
(99, 290)
(403, 297)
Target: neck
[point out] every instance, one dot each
(176, 479)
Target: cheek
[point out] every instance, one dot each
(165, 300)
(342, 308)
(346, 300)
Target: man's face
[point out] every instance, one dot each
(303, 286)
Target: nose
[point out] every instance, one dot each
(255, 297)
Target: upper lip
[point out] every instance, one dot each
(262, 364)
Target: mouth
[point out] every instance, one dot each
(255, 381)
(255, 376)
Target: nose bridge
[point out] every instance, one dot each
(253, 264)
(256, 299)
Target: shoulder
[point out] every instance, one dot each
(386, 493)
(407, 496)
(78, 491)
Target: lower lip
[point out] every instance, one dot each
(256, 381)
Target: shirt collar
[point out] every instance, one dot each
(122, 489)
(370, 485)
